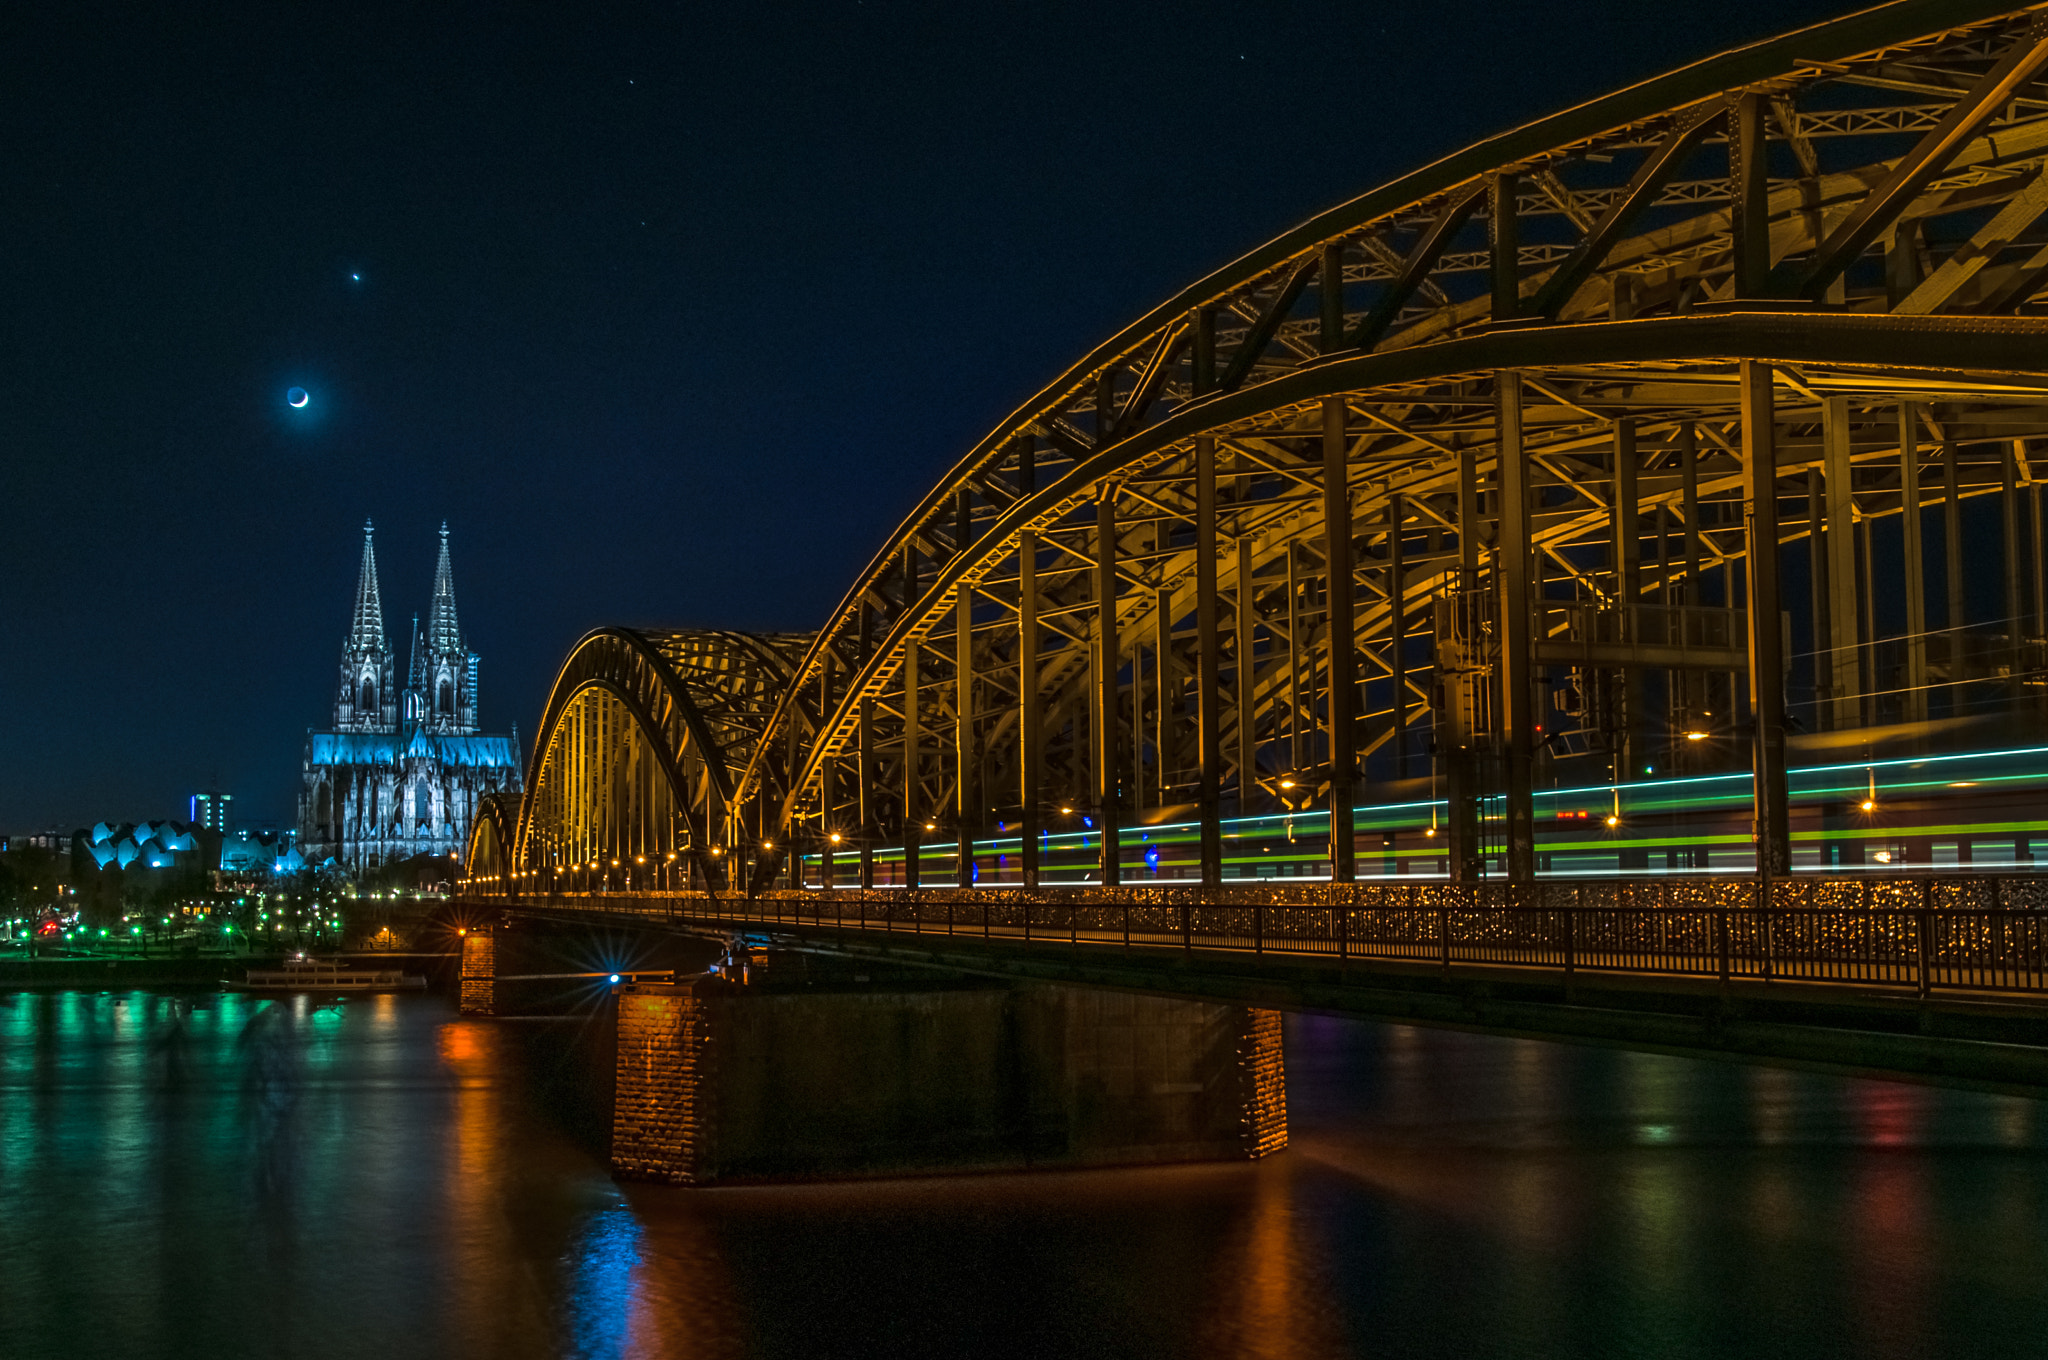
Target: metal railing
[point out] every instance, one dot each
(1921, 934)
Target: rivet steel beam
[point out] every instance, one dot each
(1343, 655)
(1518, 717)
(1766, 646)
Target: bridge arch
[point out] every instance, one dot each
(1613, 285)
(487, 855)
(1505, 471)
(639, 743)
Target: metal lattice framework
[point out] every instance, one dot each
(643, 742)
(488, 852)
(1547, 417)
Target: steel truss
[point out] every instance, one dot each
(643, 741)
(1548, 417)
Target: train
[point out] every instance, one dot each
(1981, 811)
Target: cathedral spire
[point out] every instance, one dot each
(444, 635)
(416, 675)
(366, 626)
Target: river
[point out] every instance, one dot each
(220, 1176)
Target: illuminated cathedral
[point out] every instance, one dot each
(401, 769)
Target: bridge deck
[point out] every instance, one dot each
(1952, 995)
(1915, 937)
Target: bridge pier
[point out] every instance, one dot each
(479, 984)
(721, 1082)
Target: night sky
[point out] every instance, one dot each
(670, 312)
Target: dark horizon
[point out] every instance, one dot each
(670, 317)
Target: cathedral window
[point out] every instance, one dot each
(444, 701)
(369, 699)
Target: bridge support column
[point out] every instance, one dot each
(1030, 714)
(966, 756)
(1342, 591)
(1628, 581)
(1208, 686)
(2015, 557)
(1766, 645)
(1844, 603)
(913, 737)
(1517, 708)
(1397, 633)
(1461, 764)
(1915, 564)
(1108, 697)
(1242, 631)
(1952, 569)
(479, 982)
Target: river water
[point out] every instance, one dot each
(220, 1176)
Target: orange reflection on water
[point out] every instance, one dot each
(1272, 1303)
(459, 1043)
(682, 1302)
(487, 1304)
(1890, 1254)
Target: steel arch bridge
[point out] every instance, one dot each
(1631, 440)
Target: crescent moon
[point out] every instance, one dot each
(298, 396)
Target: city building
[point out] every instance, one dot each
(250, 854)
(211, 809)
(400, 770)
(53, 841)
(146, 845)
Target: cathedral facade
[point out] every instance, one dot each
(401, 769)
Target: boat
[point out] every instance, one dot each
(330, 975)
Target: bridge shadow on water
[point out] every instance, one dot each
(220, 1176)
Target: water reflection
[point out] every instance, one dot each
(203, 1175)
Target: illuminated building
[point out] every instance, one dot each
(400, 772)
(210, 810)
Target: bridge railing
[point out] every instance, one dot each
(1920, 934)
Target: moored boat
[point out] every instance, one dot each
(330, 975)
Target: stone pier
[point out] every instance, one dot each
(717, 1081)
(479, 994)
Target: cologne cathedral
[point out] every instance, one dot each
(402, 769)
